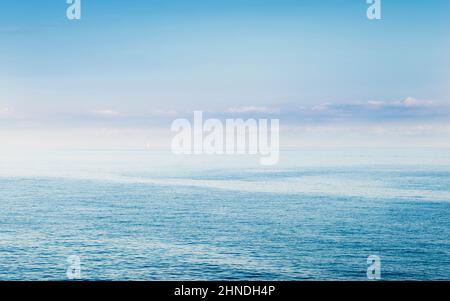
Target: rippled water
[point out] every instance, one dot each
(153, 216)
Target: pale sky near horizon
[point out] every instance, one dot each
(133, 65)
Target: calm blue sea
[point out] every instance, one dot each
(141, 215)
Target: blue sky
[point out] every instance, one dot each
(136, 64)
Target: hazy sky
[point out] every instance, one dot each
(137, 64)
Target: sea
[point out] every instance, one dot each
(152, 215)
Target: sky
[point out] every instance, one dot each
(120, 75)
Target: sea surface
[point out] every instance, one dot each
(145, 215)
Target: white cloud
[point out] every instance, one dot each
(321, 107)
(376, 103)
(106, 113)
(406, 102)
(411, 101)
(6, 112)
(249, 109)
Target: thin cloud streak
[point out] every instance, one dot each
(407, 111)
